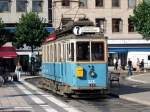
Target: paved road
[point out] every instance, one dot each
(26, 97)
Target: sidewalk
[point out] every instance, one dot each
(135, 88)
(12, 100)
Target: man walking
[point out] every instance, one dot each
(129, 67)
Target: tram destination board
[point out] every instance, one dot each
(88, 29)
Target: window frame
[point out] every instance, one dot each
(119, 26)
(25, 5)
(41, 7)
(131, 6)
(131, 26)
(103, 51)
(90, 51)
(77, 51)
(85, 4)
(8, 4)
(98, 22)
(99, 6)
(65, 3)
(116, 6)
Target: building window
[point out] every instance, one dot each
(4, 6)
(37, 6)
(117, 25)
(65, 21)
(21, 5)
(99, 3)
(131, 3)
(100, 22)
(131, 27)
(83, 3)
(115, 3)
(65, 2)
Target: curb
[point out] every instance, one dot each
(131, 97)
(131, 78)
(136, 100)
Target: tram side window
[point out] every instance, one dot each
(97, 51)
(59, 52)
(83, 51)
(48, 53)
(51, 54)
(72, 52)
(55, 53)
(45, 53)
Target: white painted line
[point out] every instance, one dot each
(53, 99)
(48, 109)
(30, 85)
(37, 100)
(23, 107)
(62, 104)
(33, 97)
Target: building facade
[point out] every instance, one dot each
(11, 11)
(112, 16)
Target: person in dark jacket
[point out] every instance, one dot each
(129, 67)
(142, 65)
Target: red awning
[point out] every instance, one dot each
(8, 52)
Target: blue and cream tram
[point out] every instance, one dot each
(76, 64)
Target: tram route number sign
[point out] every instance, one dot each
(88, 29)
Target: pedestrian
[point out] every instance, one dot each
(138, 65)
(114, 62)
(129, 67)
(116, 65)
(142, 65)
(18, 71)
(119, 63)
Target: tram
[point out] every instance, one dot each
(76, 63)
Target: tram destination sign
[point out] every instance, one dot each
(88, 29)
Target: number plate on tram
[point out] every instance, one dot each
(91, 83)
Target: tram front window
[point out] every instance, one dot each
(83, 51)
(97, 51)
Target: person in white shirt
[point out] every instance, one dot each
(119, 63)
(18, 71)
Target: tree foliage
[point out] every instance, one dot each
(3, 33)
(31, 30)
(141, 19)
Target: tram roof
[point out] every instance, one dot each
(85, 36)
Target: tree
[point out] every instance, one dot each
(31, 31)
(3, 33)
(141, 19)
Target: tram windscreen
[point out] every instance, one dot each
(83, 51)
(97, 51)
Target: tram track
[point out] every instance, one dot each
(110, 104)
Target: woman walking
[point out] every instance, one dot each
(18, 71)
